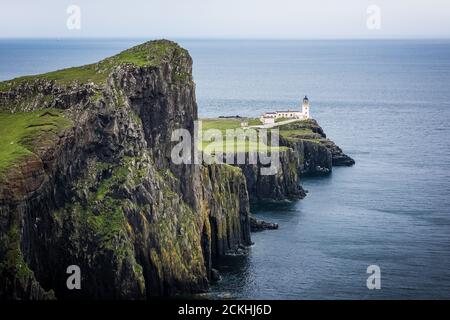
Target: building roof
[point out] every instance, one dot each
(274, 113)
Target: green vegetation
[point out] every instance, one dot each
(13, 267)
(239, 145)
(281, 119)
(102, 214)
(296, 132)
(149, 54)
(22, 133)
(230, 123)
(119, 176)
(299, 125)
(13, 259)
(302, 129)
(107, 223)
(299, 130)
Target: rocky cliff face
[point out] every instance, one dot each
(94, 185)
(284, 185)
(227, 206)
(316, 154)
(307, 151)
(86, 179)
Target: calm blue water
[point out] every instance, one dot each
(386, 103)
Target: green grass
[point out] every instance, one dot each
(298, 130)
(151, 53)
(299, 134)
(295, 133)
(239, 146)
(224, 124)
(282, 119)
(22, 133)
(108, 223)
(119, 176)
(300, 124)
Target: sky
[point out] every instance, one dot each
(266, 19)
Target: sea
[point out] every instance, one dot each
(386, 103)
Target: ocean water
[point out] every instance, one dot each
(386, 103)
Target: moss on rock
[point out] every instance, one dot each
(24, 133)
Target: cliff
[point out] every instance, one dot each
(304, 150)
(281, 186)
(284, 185)
(316, 154)
(86, 179)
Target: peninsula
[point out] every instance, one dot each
(86, 179)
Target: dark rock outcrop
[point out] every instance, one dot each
(316, 154)
(312, 158)
(260, 225)
(339, 158)
(226, 205)
(283, 185)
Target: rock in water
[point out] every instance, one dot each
(215, 275)
(259, 225)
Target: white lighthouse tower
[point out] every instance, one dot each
(305, 107)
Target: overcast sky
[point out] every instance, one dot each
(294, 19)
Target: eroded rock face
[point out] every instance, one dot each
(282, 186)
(315, 153)
(227, 206)
(312, 158)
(339, 158)
(103, 194)
(101, 191)
(260, 225)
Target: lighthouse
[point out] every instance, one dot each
(305, 107)
(303, 114)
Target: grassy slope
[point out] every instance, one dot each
(148, 54)
(20, 131)
(300, 130)
(225, 124)
(281, 119)
(295, 132)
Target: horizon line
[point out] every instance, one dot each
(221, 38)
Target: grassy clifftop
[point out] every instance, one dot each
(23, 133)
(302, 130)
(210, 146)
(149, 54)
(295, 131)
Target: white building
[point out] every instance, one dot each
(269, 117)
